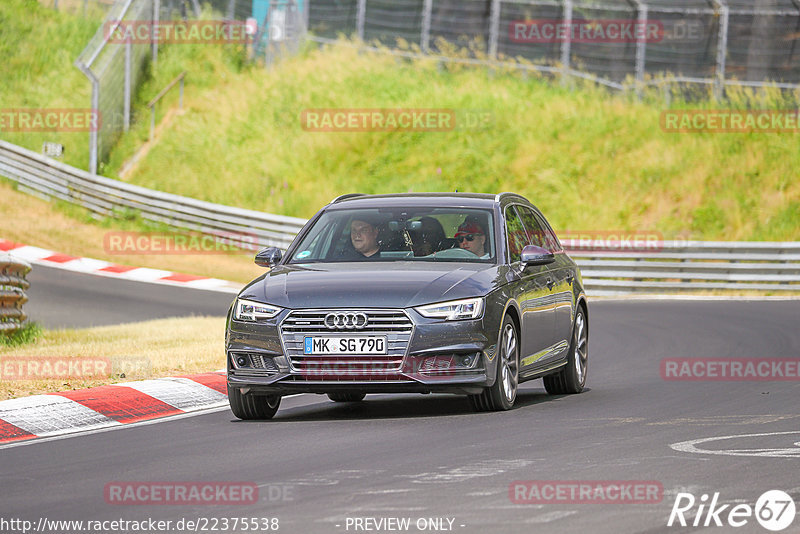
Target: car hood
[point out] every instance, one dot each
(371, 285)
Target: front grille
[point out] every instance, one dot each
(379, 321)
(394, 324)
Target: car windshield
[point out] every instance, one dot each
(399, 234)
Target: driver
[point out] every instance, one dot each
(470, 236)
(364, 236)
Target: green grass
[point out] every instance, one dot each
(588, 158)
(38, 46)
(29, 333)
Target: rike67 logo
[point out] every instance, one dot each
(774, 510)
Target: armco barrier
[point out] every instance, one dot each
(12, 292)
(675, 266)
(52, 179)
(694, 265)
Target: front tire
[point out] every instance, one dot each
(346, 397)
(572, 377)
(252, 407)
(503, 393)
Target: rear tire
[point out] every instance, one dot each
(252, 407)
(503, 393)
(572, 377)
(346, 397)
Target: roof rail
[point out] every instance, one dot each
(345, 197)
(498, 196)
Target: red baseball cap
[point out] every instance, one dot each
(469, 228)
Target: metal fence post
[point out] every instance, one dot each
(127, 86)
(93, 132)
(722, 48)
(494, 29)
(566, 45)
(360, 18)
(425, 39)
(269, 25)
(641, 46)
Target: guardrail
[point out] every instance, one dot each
(45, 177)
(12, 292)
(699, 265)
(671, 266)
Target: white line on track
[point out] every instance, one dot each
(691, 447)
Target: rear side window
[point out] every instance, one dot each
(539, 233)
(516, 236)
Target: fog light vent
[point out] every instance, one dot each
(437, 363)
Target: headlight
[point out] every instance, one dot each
(248, 310)
(454, 310)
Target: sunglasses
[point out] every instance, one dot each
(469, 237)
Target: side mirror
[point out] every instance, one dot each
(268, 257)
(533, 255)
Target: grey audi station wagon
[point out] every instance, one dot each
(459, 293)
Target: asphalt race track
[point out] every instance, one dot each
(321, 465)
(65, 299)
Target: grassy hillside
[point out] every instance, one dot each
(38, 46)
(590, 160)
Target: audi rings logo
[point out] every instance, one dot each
(346, 321)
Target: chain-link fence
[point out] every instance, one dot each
(623, 44)
(114, 68)
(116, 58)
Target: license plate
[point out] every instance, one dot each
(345, 345)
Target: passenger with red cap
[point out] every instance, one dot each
(472, 237)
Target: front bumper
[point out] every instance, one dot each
(425, 356)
